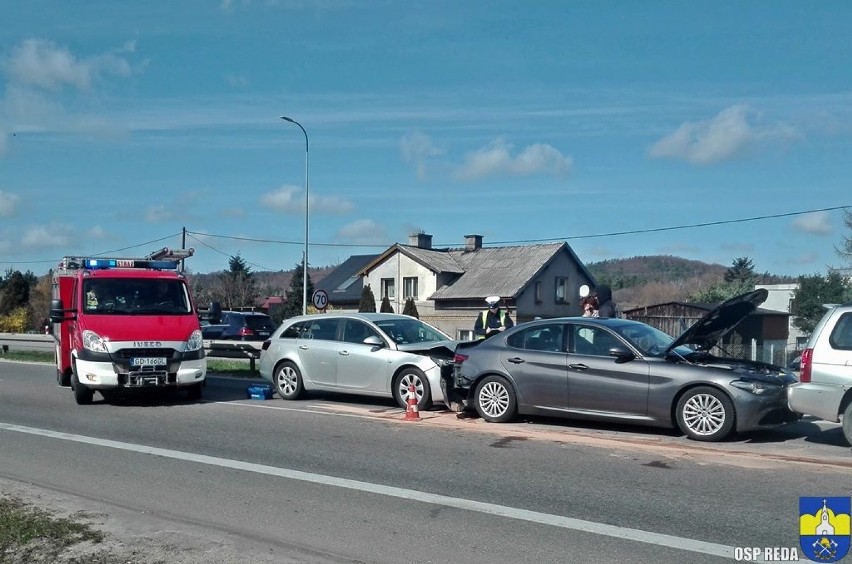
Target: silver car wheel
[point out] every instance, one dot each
(288, 381)
(704, 414)
(493, 399)
(412, 376)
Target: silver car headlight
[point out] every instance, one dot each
(93, 342)
(195, 341)
(756, 388)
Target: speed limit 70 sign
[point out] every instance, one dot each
(320, 299)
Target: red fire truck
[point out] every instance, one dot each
(122, 324)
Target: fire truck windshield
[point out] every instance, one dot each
(143, 296)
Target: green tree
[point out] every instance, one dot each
(813, 292)
(845, 248)
(718, 293)
(742, 269)
(368, 300)
(14, 291)
(386, 306)
(410, 308)
(293, 303)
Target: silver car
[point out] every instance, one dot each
(375, 354)
(624, 371)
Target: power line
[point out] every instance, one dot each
(548, 239)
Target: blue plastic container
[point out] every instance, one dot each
(259, 391)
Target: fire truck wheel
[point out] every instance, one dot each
(62, 379)
(82, 394)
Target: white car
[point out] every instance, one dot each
(824, 389)
(375, 354)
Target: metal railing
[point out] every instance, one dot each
(45, 343)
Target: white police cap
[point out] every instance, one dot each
(492, 300)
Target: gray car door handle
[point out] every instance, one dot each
(517, 360)
(303, 347)
(343, 353)
(578, 366)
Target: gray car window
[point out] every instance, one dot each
(538, 338)
(593, 341)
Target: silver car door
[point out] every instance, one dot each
(318, 352)
(599, 385)
(362, 367)
(536, 360)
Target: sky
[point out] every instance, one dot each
(709, 130)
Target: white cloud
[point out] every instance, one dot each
(417, 148)
(8, 203)
(363, 231)
(496, 158)
(97, 232)
(290, 199)
(43, 65)
(236, 80)
(725, 136)
(816, 223)
(41, 237)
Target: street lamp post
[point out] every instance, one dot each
(305, 263)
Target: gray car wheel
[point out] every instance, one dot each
(288, 381)
(495, 399)
(422, 391)
(847, 424)
(705, 414)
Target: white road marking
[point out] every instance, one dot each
(625, 533)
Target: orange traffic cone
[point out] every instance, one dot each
(411, 412)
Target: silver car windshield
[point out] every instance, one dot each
(405, 331)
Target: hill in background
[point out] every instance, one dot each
(646, 280)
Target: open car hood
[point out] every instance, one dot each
(720, 321)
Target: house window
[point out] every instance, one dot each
(561, 290)
(388, 288)
(538, 292)
(465, 334)
(409, 287)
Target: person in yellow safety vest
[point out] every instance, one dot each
(492, 320)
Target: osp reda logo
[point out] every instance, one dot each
(824, 524)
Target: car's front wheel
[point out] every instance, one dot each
(847, 424)
(495, 399)
(705, 414)
(82, 394)
(402, 387)
(288, 381)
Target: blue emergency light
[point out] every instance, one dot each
(102, 263)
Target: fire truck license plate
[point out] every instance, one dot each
(139, 361)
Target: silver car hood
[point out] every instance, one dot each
(721, 320)
(441, 349)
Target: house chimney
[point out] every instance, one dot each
(472, 242)
(420, 240)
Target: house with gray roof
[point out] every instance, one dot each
(449, 285)
(344, 284)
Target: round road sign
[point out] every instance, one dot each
(320, 299)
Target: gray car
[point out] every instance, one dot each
(620, 370)
(375, 354)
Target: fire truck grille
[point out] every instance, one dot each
(127, 354)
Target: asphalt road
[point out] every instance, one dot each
(343, 479)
